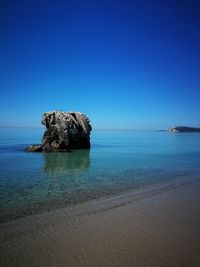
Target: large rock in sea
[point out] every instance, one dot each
(64, 131)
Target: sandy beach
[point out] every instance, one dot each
(156, 227)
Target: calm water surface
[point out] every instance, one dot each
(117, 161)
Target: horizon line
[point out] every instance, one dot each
(98, 129)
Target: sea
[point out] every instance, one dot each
(118, 161)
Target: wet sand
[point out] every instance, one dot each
(156, 227)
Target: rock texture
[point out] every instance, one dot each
(183, 129)
(34, 148)
(64, 131)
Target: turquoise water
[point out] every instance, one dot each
(117, 161)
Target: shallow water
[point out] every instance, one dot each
(117, 161)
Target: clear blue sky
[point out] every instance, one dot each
(126, 64)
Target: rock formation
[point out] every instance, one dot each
(64, 131)
(183, 129)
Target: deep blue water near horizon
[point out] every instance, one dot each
(117, 161)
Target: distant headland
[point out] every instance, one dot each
(64, 131)
(180, 129)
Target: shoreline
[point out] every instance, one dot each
(156, 227)
(89, 197)
(106, 202)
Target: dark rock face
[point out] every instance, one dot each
(64, 131)
(183, 129)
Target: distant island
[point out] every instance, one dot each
(185, 129)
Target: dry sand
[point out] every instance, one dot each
(157, 227)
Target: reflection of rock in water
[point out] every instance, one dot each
(66, 162)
